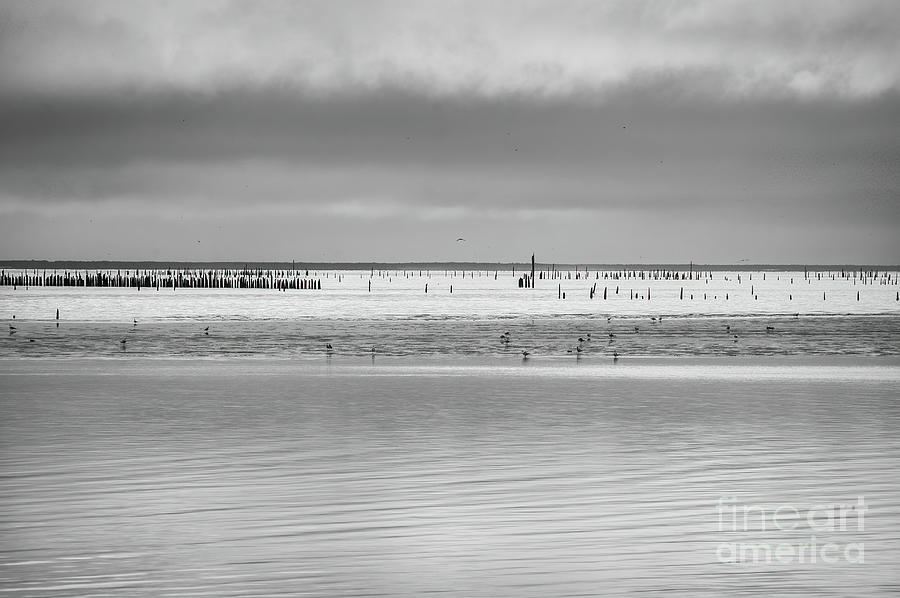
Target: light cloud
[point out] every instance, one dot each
(490, 49)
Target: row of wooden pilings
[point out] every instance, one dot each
(190, 279)
(620, 275)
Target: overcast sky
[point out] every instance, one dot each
(383, 131)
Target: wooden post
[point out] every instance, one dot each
(532, 270)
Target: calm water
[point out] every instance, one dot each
(247, 460)
(544, 338)
(726, 313)
(198, 477)
(477, 295)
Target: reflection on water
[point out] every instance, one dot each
(218, 479)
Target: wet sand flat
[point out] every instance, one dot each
(470, 477)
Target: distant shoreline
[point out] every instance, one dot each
(487, 266)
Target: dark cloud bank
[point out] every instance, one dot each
(384, 138)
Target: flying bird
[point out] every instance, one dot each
(460, 239)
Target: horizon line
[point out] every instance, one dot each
(419, 264)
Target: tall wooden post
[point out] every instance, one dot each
(532, 270)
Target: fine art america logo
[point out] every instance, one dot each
(807, 535)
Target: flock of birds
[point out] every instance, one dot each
(579, 348)
(505, 338)
(586, 339)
